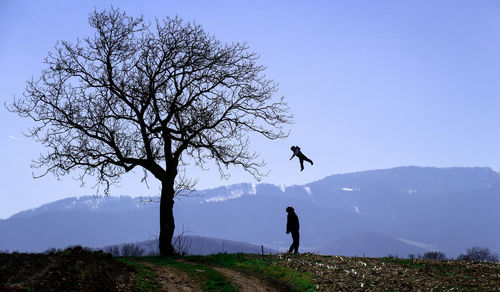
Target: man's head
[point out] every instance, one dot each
(289, 209)
(292, 148)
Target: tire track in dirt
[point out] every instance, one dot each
(171, 279)
(245, 282)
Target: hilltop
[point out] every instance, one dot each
(77, 269)
(398, 211)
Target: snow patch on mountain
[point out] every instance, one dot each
(216, 199)
(254, 190)
(308, 190)
(93, 203)
(71, 205)
(233, 192)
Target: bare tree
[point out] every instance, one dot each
(114, 250)
(182, 243)
(154, 96)
(479, 254)
(132, 250)
(434, 255)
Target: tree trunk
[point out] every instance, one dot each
(167, 224)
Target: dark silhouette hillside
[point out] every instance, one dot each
(431, 209)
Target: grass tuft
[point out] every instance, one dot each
(145, 278)
(208, 278)
(256, 265)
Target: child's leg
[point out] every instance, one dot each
(308, 160)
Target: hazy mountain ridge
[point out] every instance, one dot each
(199, 245)
(99, 204)
(447, 208)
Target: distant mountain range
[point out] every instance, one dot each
(398, 211)
(195, 245)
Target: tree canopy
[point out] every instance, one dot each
(153, 96)
(135, 94)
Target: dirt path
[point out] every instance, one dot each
(245, 282)
(171, 279)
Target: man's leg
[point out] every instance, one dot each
(292, 245)
(295, 244)
(301, 164)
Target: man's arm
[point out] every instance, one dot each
(293, 155)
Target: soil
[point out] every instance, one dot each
(171, 279)
(77, 269)
(338, 273)
(246, 283)
(74, 269)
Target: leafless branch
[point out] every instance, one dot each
(154, 97)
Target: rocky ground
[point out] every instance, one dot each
(338, 273)
(76, 269)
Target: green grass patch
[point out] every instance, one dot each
(145, 278)
(434, 267)
(256, 265)
(209, 279)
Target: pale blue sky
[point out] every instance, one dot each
(372, 84)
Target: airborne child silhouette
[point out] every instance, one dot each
(296, 152)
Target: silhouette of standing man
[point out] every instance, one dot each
(292, 225)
